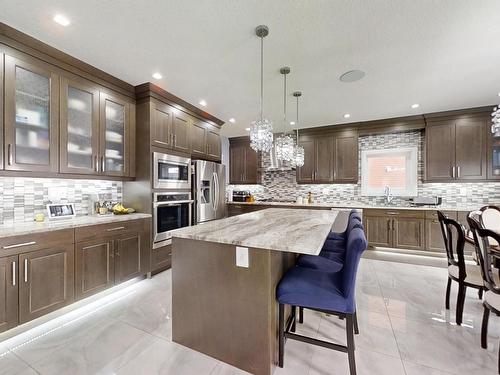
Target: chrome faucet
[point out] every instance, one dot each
(388, 195)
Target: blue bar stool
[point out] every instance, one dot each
(328, 292)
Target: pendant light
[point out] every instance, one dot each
(298, 153)
(495, 121)
(284, 144)
(261, 131)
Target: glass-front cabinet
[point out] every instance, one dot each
(493, 156)
(115, 129)
(31, 108)
(79, 127)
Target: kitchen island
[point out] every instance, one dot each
(224, 277)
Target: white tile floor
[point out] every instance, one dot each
(404, 330)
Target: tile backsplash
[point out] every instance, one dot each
(21, 198)
(282, 185)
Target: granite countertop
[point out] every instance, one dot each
(357, 205)
(79, 221)
(298, 231)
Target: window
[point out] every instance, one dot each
(395, 168)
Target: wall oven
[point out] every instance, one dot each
(171, 210)
(171, 171)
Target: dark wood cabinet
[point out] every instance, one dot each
(31, 116)
(329, 157)
(161, 258)
(456, 149)
(79, 127)
(243, 162)
(180, 131)
(198, 139)
(9, 284)
(1, 109)
(94, 267)
(161, 125)
(378, 230)
(129, 257)
(46, 281)
(213, 144)
(408, 233)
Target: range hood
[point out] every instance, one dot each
(273, 164)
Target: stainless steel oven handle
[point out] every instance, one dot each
(175, 203)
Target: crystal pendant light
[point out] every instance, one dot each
(298, 152)
(261, 131)
(284, 144)
(495, 121)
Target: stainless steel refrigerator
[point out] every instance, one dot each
(209, 190)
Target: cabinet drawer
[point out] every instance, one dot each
(109, 229)
(433, 214)
(33, 242)
(394, 213)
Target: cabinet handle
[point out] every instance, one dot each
(9, 151)
(453, 172)
(26, 270)
(175, 140)
(19, 245)
(458, 171)
(13, 273)
(392, 213)
(103, 166)
(96, 163)
(393, 224)
(113, 229)
(161, 142)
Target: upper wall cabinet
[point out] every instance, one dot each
(456, 149)
(115, 129)
(161, 125)
(180, 131)
(243, 162)
(31, 116)
(213, 143)
(329, 158)
(79, 128)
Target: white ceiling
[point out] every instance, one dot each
(441, 54)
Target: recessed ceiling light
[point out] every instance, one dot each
(292, 123)
(157, 75)
(415, 106)
(247, 129)
(203, 103)
(232, 120)
(352, 76)
(347, 115)
(61, 20)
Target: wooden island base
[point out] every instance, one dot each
(225, 311)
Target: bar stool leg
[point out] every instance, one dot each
(484, 328)
(281, 329)
(356, 327)
(294, 316)
(350, 344)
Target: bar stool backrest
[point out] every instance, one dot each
(454, 241)
(356, 244)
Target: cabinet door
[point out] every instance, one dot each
(433, 236)
(199, 140)
(305, 174)
(161, 132)
(79, 128)
(1, 108)
(180, 131)
(128, 257)
(214, 145)
(237, 161)
(346, 158)
(324, 159)
(161, 258)
(115, 132)
(493, 159)
(408, 233)
(470, 141)
(251, 170)
(378, 231)
(31, 117)
(46, 281)
(8, 293)
(94, 267)
(440, 151)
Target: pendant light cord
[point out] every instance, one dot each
(284, 105)
(297, 120)
(261, 78)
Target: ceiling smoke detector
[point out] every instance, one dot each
(352, 76)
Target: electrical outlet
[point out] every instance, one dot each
(242, 257)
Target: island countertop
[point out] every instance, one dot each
(300, 231)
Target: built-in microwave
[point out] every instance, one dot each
(171, 171)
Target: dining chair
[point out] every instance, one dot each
(487, 256)
(466, 275)
(490, 219)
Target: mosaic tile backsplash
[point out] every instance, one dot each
(21, 198)
(282, 185)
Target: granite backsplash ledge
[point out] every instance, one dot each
(282, 185)
(21, 198)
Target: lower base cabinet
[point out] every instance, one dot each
(9, 294)
(161, 258)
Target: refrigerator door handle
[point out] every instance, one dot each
(216, 191)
